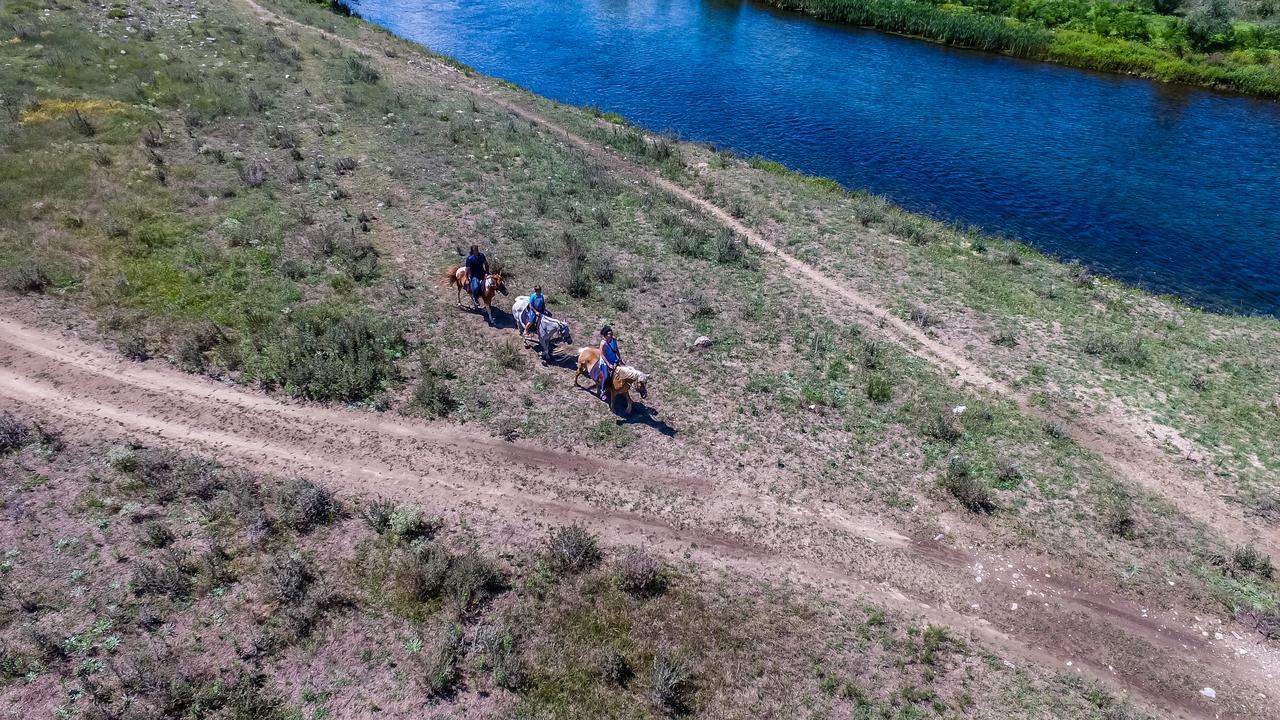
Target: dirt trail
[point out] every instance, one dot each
(1128, 453)
(512, 488)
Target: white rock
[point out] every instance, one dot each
(1208, 692)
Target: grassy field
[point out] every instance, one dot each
(266, 206)
(1234, 46)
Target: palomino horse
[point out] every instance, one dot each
(623, 380)
(457, 277)
(549, 329)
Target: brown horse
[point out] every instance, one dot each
(623, 380)
(457, 277)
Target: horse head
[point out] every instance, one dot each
(565, 336)
(642, 385)
(500, 283)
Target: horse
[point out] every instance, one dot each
(621, 382)
(548, 330)
(457, 277)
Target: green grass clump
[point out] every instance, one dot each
(328, 352)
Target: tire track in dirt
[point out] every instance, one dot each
(1127, 453)
(98, 394)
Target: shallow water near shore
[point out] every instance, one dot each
(1173, 189)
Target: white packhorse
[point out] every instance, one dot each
(548, 331)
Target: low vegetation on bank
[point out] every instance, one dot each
(138, 583)
(1220, 43)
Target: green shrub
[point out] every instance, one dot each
(27, 277)
(879, 389)
(287, 577)
(432, 398)
(669, 682)
(959, 480)
(377, 514)
(170, 574)
(420, 573)
(499, 654)
(572, 549)
(1247, 559)
(441, 676)
(304, 505)
(155, 534)
(640, 573)
(472, 579)
(14, 434)
(326, 352)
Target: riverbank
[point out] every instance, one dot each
(273, 198)
(1211, 52)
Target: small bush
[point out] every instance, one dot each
(972, 493)
(1005, 338)
(879, 389)
(287, 577)
(1247, 559)
(601, 217)
(360, 72)
(155, 534)
(377, 514)
(944, 427)
(701, 307)
(727, 248)
(169, 575)
(603, 268)
(407, 524)
(508, 356)
(195, 342)
(81, 124)
(432, 398)
(497, 646)
(134, 347)
(924, 318)
(471, 580)
(572, 549)
(579, 282)
(420, 573)
(669, 681)
(14, 434)
(613, 667)
(440, 676)
(640, 573)
(304, 505)
(1127, 351)
(254, 174)
(124, 459)
(325, 352)
(345, 165)
(1007, 470)
(1056, 430)
(27, 277)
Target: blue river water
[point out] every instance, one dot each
(1170, 188)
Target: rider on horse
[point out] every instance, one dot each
(610, 358)
(537, 308)
(477, 270)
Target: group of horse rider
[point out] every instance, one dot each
(477, 267)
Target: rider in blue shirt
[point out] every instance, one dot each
(477, 270)
(610, 358)
(537, 307)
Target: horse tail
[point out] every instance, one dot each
(451, 275)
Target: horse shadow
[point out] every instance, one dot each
(642, 414)
(502, 319)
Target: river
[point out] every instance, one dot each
(1173, 189)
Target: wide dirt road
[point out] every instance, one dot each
(1159, 657)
